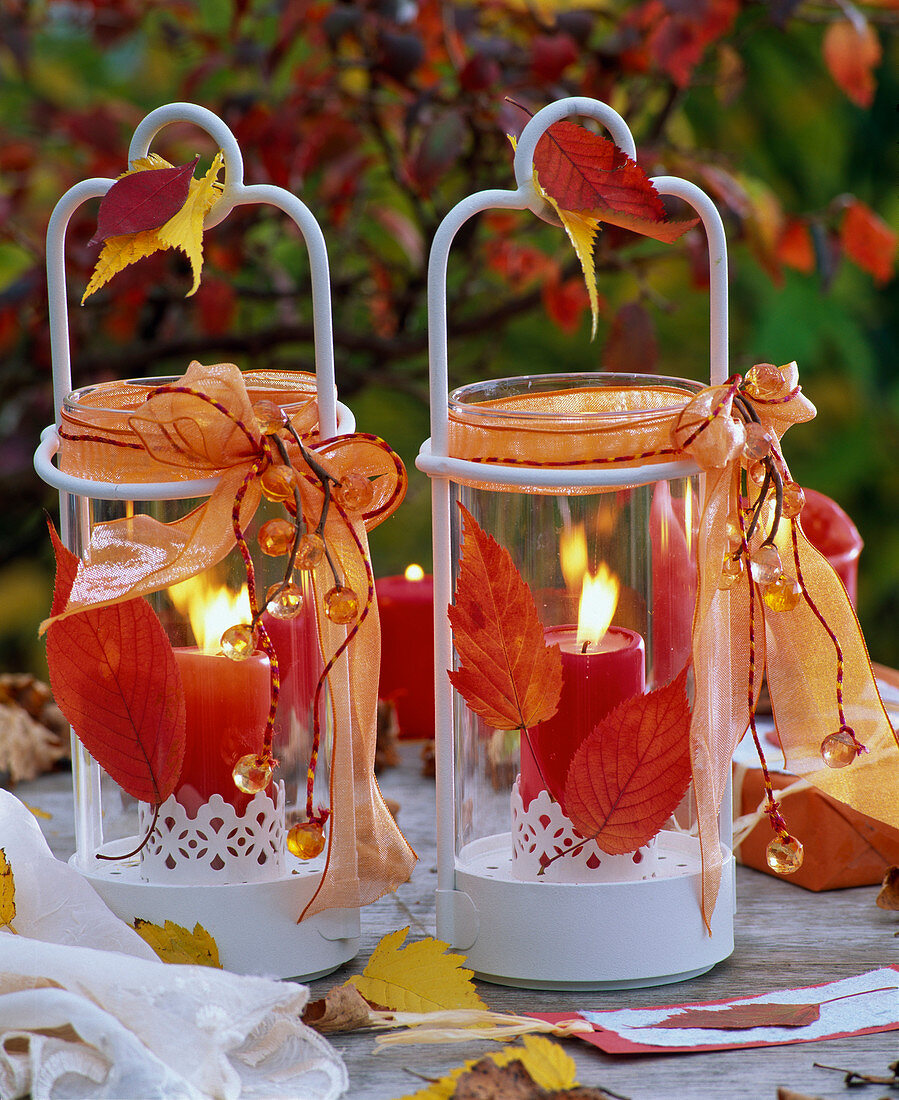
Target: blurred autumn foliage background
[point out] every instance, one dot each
(381, 115)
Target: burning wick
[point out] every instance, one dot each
(414, 573)
(599, 598)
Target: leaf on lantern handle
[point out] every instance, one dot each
(143, 198)
(508, 674)
(114, 677)
(629, 774)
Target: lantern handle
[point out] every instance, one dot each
(235, 193)
(526, 197)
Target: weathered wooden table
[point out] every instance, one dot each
(785, 936)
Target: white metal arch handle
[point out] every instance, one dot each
(526, 197)
(235, 193)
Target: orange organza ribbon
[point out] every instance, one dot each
(204, 425)
(814, 654)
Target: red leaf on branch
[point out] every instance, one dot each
(738, 1017)
(566, 302)
(852, 53)
(508, 674)
(587, 173)
(629, 774)
(796, 248)
(114, 677)
(869, 241)
(143, 200)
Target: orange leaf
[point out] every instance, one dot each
(586, 172)
(738, 1017)
(508, 674)
(852, 53)
(796, 248)
(114, 677)
(869, 241)
(629, 774)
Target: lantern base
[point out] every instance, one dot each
(587, 935)
(254, 924)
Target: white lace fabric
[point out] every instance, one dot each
(87, 1010)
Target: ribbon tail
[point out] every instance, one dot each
(817, 664)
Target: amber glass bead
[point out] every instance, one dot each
(731, 572)
(765, 564)
(757, 472)
(793, 499)
(758, 442)
(766, 381)
(734, 534)
(284, 601)
(306, 840)
(783, 594)
(238, 642)
(310, 551)
(839, 750)
(276, 537)
(341, 605)
(784, 855)
(355, 492)
(269, 416)
(252, 773)
(278, 482)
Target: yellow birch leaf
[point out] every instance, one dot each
(417, 978)
(581, 230)
(185, 229)
(174, 944)
(545, 1061)
(38, 812)
(7, 893)
(117, 253)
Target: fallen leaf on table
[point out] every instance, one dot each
(888, 898)
(739, 1017)
(174, 944)
(488, 1081)
(38, 812)
(788, 1094)
(629, 774)
(343, 1008)
(7, 893)
(420, 977)
(546, 1062)
(27, 748)
(508, 675)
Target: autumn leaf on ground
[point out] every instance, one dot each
(183, 230)
(507, 675)
(888, 898)
(740, 1017)
(852, 52)
(629, 774)
(143, 198)
(420, 977)
(114, 677)
(343, 1008)
(174, 944)
(869, 241)
(7, 893)
(546, 1062)
(488, 1081)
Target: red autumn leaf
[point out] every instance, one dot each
(796, 248)
(631, 345)
(851, 53)
(869, 241)
(551, 54)
(738, 1017)
(566, 302)
(683, 32)
(587, 173)
(114, 677)
(629, 774)
(143, 200)
(508, 675)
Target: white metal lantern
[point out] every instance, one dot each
(216, 857)
(518, 890)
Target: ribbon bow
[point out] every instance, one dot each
(767, 600)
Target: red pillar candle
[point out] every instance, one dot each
(227, 705)
(406, 608)
(593, 683)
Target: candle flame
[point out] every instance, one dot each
(414, 573)
(210, 608)
(599, 598)
(573, 555)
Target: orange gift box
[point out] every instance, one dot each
(842, 847)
